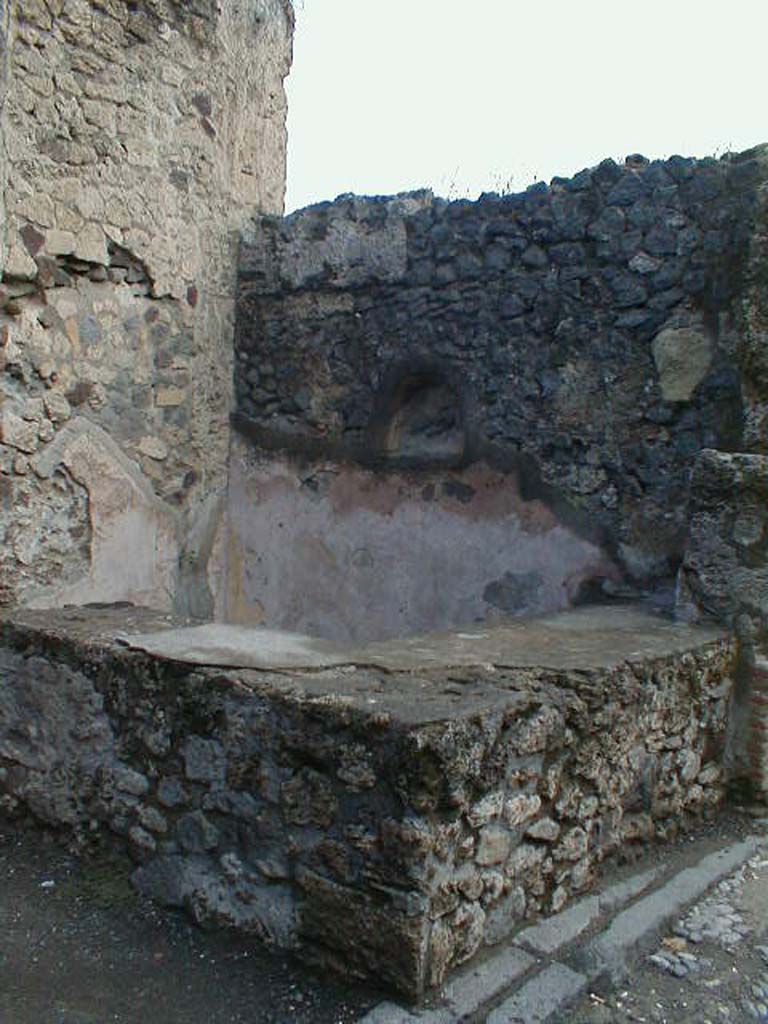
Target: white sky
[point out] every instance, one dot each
(491, 95)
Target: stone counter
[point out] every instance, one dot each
(384, 815)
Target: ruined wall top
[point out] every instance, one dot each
(139, 125)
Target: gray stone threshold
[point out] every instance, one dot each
(527, 982)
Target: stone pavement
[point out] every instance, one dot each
(611, 957)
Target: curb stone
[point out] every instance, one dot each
(391, 1013)
(541, 997)
(473, 988)
(631, 927)
(550, 989)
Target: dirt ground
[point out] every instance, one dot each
(78, 947)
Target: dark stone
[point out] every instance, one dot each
(33, 240)
(661, 241)
(628, 290)
(203, 103)
(535, 257)
(627, 190)
(460, 491)
(196, 834)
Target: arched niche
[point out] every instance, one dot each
(419, 418)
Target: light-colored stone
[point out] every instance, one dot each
(486, 809)
(153, 448)
(683, 356)
(494, 845)
(59, 243)
(541, 998)
(57, 406)
(135, 547)
(554, 932)
(91, 244)
(17, 432)
(545, 829)
(520, 808)
(169, 397)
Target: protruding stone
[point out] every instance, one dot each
(494, 845)
(545, 830)
(153, 448)
(204, 760)
(520, 808)
(683, 356)
(57, 406)
(17, 432)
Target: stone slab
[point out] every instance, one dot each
(554, 932)
(644, 918)
(618, 895)
(540, 998)
(391, 1013)
(239, 647)
(470, 989)
(578, 639)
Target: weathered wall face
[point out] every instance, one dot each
(724, 576)
(341, 552)
(139, 139)
(752, 352)
(588, 335)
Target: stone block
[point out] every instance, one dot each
(683, 357)
(204, 760)
(540, 999)
(559, 930)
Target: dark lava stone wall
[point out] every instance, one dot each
(586, 332)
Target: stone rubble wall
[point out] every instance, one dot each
(138, 139)
(724, 576)
(382, 826)
(593, 331)
(753, 336)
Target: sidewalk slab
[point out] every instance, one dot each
(616, 896)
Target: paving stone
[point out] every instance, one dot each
(557, 931)
(391, 1013)
(471, 989)
(618, 895)
(540, 998)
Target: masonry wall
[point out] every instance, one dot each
(139, 138)
(584, 340)
(430, 815)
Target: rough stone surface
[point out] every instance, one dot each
(585, 336)
(724, 574)
(137, 139)
(282, 803)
